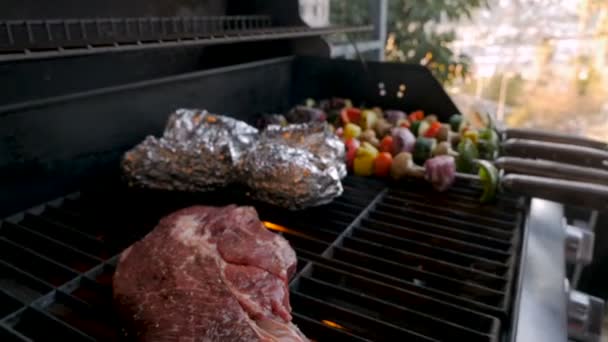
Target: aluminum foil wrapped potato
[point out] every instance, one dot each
(314, 137)
(290, 177)
(295, 166)
(197, 152)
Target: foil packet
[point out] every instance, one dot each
(199, 151)
(295, 166)
(290, 177)
(315, 137)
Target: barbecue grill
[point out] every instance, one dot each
(385, 261)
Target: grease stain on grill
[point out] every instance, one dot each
(411, 265)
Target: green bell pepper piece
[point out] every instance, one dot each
(488, 175)
(467, 154)
(423, 149)
(455, 122)
(414, 127)
(489, 143)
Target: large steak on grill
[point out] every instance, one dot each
(207, 274)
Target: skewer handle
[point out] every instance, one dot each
(551, 169)
(571, 154)
(558, 190)
(554, 137)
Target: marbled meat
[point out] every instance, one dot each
(207, 274)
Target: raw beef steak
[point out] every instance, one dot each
(207, 274)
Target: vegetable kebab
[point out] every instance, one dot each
(392, 143)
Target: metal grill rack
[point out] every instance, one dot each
(69, 37)
(379, 263)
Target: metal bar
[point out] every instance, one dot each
(404, 297)
(435, 251)
(540, 305)
(556, 137)
(407, 318)
(408, 213)
(463, 245)
(565, 153)
(486, 238)
(546, 168)
(377, 328)
(340, 237)
(428, 263)
(417, 274)
(52, 249)
(308, 324)
(9, 33)
(444, 201)
(568, 192)
(341, 50)
(44, 267)
(393, 280)
(272, 34)
(488, 220)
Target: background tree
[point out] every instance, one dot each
(418, 34)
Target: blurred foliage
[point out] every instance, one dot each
(515, 87)
(349, 12)
(417, 36)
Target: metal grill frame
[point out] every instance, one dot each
(274, 85)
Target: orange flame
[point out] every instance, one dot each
(332, 324)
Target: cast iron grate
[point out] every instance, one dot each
(379, 263)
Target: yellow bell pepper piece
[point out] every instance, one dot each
(364, 160)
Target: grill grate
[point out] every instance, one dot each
(379, 263)
(71, 37)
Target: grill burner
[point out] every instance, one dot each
(379, 263)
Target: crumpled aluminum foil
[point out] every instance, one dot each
(295, 166)
(314, 137)
(198, 151)
(290, 177)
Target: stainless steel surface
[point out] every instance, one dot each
(556, 137)
(579, 245)
(552, 169)
(565, 153)
(564, 191)
(540, 308)
(585, 315)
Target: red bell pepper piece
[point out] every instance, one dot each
(416, 116)
(350, 114)
(433, 130)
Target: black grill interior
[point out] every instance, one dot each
(396, 262)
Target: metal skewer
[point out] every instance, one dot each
(559, 147)
(572, 154)
(553, 137)
(570, 192)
